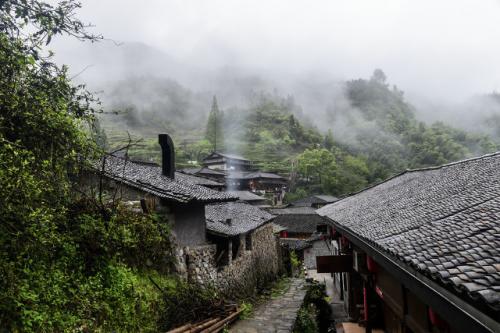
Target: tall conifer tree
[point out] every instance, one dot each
(214, 133)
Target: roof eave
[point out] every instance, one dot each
(466, 318)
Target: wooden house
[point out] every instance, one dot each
(221, 242)
(420, 252)
(225, 162)
(305, 232)
(232, 227)
(178, 197)
(204, 172)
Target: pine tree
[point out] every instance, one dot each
(214, 133)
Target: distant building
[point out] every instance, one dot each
(420, 252)
(216, 175)
(256, 181)
(301, 222)
(239, 175)
(306, 232)
(226, 162)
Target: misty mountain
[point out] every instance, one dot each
(273, 118)
(108, 62)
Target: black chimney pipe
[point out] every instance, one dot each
(167, 155)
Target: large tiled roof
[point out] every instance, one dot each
(202, 181)
(149, 178)
(202, 171)
(243, 218)
(442, 221)
(293, 210)
(315, 199)
(298, 219)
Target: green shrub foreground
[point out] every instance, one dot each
(314, 315)
(68, 263)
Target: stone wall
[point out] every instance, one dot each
(250, 269)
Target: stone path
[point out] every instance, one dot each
(276, 315)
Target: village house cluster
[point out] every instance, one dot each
(223, 238)
(239, 174)
(416, 253)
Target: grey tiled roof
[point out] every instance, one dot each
(315, 199)
(247, 196)
(149, 178)
(202, 171)
(244, 217)
(298, 219)
(293, 210)
(326, 197)
(197, 180)
(442, 221)
(248, 175)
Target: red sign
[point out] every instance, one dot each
(334, 264)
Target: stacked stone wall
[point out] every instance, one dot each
(250, 269)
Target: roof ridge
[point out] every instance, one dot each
(454, 163)
(436, 167)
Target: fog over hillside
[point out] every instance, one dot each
(444, 48)
(176, 55)
(133, 73)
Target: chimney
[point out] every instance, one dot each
(167, 155)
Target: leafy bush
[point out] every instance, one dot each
(316, 296)
(294, 260)
(92, 274)
(306, 320)
(247, 310)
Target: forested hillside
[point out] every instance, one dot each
(373, 134)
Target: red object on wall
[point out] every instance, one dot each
(437, 321)
(284, 234)
(371, 264)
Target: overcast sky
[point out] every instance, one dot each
(440, 49)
